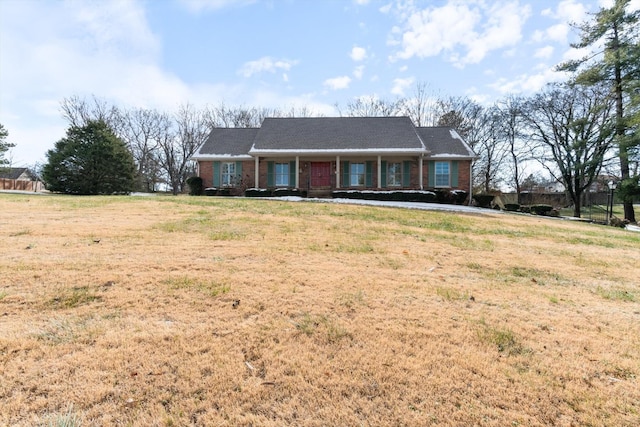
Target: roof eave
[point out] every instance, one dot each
(214, 157)
(338, 152)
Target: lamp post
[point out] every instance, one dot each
(612, 187)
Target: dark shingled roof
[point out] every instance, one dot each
(14, 173)
(444, 142)
(337, 133)
(228, 142)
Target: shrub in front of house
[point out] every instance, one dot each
(511, 207)
(483, 200)
(460, 196)
(195, 186)
(388, 196)
(289, 192)
(541, 209)
(258, 192)
(210, 191)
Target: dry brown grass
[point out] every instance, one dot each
(120, 311)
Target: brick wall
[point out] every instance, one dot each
(463, 175)
(206, 173)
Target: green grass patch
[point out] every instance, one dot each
(504, 339)
(68, 419)
(352, 299)
(616, 294)
(451, 294)
(74, 297)
(69, 330)
(227, 234)
(211, 289)
(321, 326)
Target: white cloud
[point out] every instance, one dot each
(567, 12)
(54, 50)
(358, 72)
(204, 5)
(400, 85)
(528, 83)
(468, 31)
(358, 53)
(573, 54)
(544, 52)
(338, 83)
(361, 2)
(265, 64)
(571, 11)
(386, 8)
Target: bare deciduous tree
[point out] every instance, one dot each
(179, 144)
(573, 130)
(422, 106)
(79, 112)
(509, 111)
(143, 130)
(372, 106)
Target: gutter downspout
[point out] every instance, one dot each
(420, 171)
(470, 181)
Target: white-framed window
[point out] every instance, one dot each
(394, 174)
(443, 174)
(282, 174)
(228, 174)
(356, 174)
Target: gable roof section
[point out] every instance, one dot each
(16, 173)
(335, 135)
(227, 143)
(444, 142)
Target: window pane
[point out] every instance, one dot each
(282, 174)
(442, 174)
(394, 174)
(228, 173)
(357, 175)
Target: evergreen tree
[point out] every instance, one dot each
(618, 30)
(91, 159)
(4, 145)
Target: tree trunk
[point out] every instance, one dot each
(629, 213)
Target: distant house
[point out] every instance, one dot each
(19, 179)
(324, 154)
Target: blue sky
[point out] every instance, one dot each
(268, 53)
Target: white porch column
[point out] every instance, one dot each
(379, 171)
(420, 161)
(297, 171)
(337, 171)
(256, 178)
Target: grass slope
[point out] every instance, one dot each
(124, 311)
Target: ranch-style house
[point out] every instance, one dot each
(324, 154)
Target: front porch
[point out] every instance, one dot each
(323, 175)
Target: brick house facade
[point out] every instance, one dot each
(320, 155)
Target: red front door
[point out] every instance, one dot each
(320, 174)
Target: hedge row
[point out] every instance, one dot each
(275, 192)
(211, 191)
(539, 209)
(437, 196)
